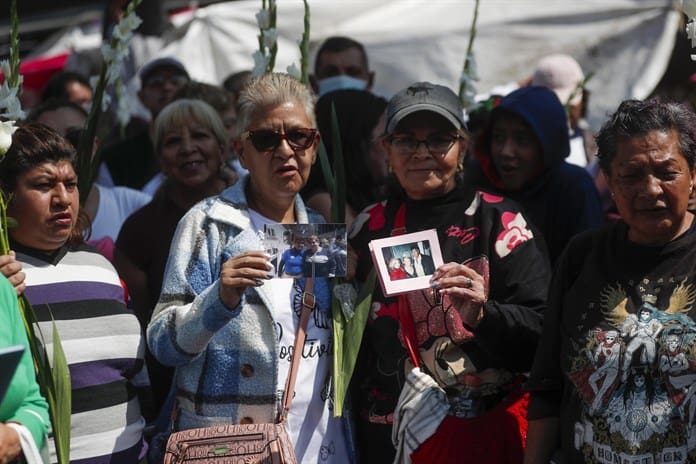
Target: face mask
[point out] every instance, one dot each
(340, 82)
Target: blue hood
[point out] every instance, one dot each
(543, 111)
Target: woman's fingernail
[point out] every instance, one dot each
(258, 282)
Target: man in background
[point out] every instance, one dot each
(132, 161)
(341, 63)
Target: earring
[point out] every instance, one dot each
(460, 167)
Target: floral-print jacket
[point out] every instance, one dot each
(487, 233)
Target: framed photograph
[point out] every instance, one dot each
(306, 250)
(406, 262)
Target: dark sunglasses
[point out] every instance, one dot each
(270, 140)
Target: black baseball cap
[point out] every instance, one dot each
(425, 96)
(165, 62)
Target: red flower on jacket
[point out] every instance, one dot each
(490, 198)
(379, 309)
(515, 232)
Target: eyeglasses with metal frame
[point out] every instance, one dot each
(436, 144)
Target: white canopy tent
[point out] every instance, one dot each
(626, 43)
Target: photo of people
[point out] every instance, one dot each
(406, 262)
(306, 250)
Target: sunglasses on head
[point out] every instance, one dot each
(270, 139)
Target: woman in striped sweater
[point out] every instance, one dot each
(71, 283)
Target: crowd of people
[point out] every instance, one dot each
(314, 257)
(559, 328)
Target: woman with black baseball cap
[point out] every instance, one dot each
(475, 330)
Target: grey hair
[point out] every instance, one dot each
(635, 118)
(181, 111)
(271, 90)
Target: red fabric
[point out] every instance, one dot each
(38, 71)
(497, 437)
(397, 274)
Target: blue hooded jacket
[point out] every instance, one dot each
(562, 200)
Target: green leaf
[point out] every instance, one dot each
(325, 166)
(347, 337)
(62, 384)
(53, 381)
(469, 51)
(338, 192)
(304, 46)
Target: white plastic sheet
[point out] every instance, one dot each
(626, 43)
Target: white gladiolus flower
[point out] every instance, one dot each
(469, 99)
(263, 19)
(294, 71)
(5, 68)
(124, 30)
(108, 53)
(123, 107)
(7, 95)
(6, 92)
(689, 7)
(13, 110)
(473, 70)
(113, 73)
(260, 63)
(7, 128)
(270, 37)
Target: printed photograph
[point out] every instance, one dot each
(406, 262)
(307, 250)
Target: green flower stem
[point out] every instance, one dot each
(4, 237)
(469, 48)
(273, 10)
(347, 332)
(338, 193)
(304, 46)
(13, 79)
(88, 165)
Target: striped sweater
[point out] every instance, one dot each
(103, 345)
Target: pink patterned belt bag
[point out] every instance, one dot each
(231, 444)
(246, 443)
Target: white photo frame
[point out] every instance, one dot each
(385, 251)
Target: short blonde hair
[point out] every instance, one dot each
(271, 90)
(179, 112)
